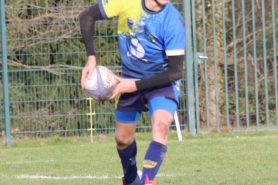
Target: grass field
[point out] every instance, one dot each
(213, 159)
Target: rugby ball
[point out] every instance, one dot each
(101, 84)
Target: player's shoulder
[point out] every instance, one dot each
(173, 16)
(172, 11)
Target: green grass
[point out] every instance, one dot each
(213, 159)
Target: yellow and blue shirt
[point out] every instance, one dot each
(146, 38)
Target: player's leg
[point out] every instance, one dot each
(127, 115)
(162, 106)
(127, 150)
(161, 120)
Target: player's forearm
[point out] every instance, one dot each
(172, 73)
(87, 19)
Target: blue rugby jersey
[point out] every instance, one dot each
(146, 38)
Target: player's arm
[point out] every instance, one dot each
(172, 73)
(87, 19)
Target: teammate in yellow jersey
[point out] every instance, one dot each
(151, 38)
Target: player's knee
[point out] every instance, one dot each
(123, 141)
(161, 128)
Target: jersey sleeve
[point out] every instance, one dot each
(175, 38)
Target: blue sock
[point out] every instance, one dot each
(128, 160)
(153, 160)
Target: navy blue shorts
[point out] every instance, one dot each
(131, 105)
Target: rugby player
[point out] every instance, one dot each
(151, 39)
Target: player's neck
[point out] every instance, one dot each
(155, 5)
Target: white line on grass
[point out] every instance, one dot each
(25, 162)
(63, 178)
(83, 177)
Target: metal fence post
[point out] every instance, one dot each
(189, 58)
(5, 74)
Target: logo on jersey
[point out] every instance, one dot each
(136, 48)
(151, 37)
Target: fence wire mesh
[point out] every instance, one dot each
(236, 85)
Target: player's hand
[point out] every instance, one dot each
(124, 86)
(88, 69)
